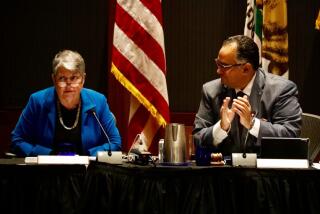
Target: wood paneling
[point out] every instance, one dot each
(194, 31)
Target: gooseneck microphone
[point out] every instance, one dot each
(104, 131)
(244, 155)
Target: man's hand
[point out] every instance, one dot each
(226, 115)
(242, 107)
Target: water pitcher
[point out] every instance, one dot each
(174, 144)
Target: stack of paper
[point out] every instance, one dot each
(282, 163)
(52, 159)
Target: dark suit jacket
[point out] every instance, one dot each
(273, 98)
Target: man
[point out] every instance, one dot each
(269, 106)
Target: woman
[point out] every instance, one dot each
(60, 119)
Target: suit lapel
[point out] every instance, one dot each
(256, 92)
(255, 100)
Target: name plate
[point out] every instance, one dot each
(115, 158)
(283, 163)
(53, 159)
(250, 159)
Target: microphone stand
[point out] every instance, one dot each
(245, 159)
(112, 158)
(244, 155)
(104, 132)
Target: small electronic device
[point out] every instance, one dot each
(138, 153)
(284, 148)
(281, 152)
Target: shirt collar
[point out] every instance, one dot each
(248, 88)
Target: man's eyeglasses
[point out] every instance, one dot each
(221, 65)
(74, 81)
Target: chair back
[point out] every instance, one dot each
(311, 129)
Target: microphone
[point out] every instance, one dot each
(104, 132)
(245, 159)
(244, 155)
(111, 157)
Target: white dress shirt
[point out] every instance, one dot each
(219, 134)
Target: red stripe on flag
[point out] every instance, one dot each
(154, 7)
(137, 123)
(140, 37)
(141, 83)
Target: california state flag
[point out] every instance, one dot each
(266, 23)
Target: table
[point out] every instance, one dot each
(40, 188)
(128, 188)
(145, 189)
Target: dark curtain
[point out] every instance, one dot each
(40, 189)
(189, 190)
(32, 32)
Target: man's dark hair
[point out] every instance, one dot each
(247, 49)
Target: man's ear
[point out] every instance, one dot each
(247, 68)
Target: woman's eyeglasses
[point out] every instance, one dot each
(74, 81)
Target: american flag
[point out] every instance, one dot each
(138, 63)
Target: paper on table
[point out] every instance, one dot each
(316, 165)
(52, 159)
(282, 163)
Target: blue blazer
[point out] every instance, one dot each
(34, 132)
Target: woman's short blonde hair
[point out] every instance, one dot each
(70, 60)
